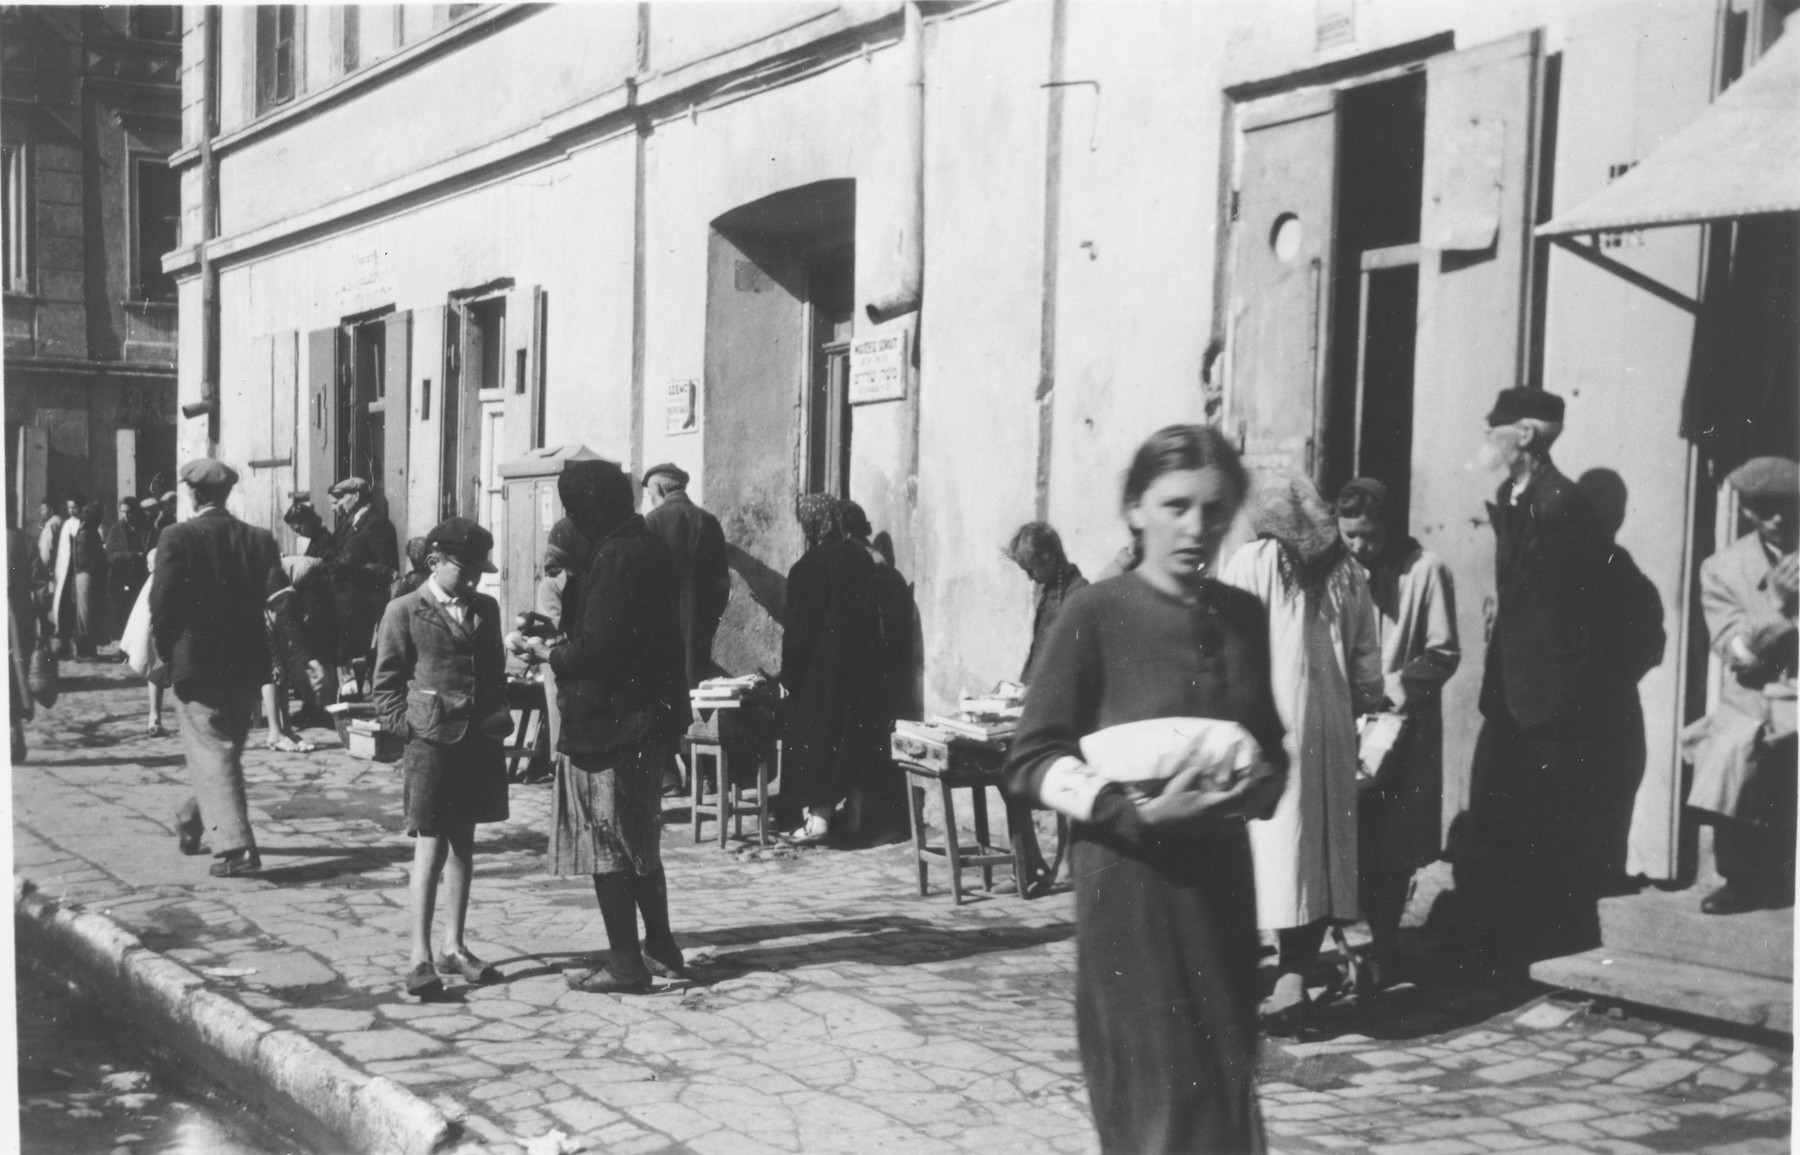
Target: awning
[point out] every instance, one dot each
(1738, 158)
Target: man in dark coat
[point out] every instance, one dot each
(367, 562)
(697, 544)
(622, 684)
(213, 577)
(127, 562)
(1535, 761)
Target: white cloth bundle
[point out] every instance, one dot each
(1151, 750)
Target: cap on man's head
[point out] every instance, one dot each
(349, 485)
(167, 498)
(670, 468)
(1515, 405)
(462, 539)
(1770, 478)
(207, 473)
(149, 503)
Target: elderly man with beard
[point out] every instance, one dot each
(621, 680)
(1535, 761)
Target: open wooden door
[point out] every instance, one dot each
(520, 372)
(1284, 205)
(321, 411)
(1481, 145)
(396, 376)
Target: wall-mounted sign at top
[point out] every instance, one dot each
(878, 368)
(682, 414)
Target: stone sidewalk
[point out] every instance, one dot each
(832, 1008)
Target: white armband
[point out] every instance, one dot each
(1070, 787)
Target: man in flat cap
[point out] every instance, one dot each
(213, 577)
(368, 561)
(697, 543)
(1534, 769)
(1744, 751)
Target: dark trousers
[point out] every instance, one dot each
(1527, 867)
(1758, 856)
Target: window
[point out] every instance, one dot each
(276, 49)
(156, 22)
(156, 221)
(18, 221)
(352, 37)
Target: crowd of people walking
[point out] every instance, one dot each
(1249, 740)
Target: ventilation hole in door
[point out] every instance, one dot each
(1285, 237)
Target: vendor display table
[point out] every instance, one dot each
(729, 737)
(958, 763)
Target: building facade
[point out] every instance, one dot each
(92, 110)
(956, 261)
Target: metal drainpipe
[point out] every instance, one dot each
(208, 405)
(904, 298)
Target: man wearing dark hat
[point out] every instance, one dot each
(1534, 761)
(697, 544)
(368, 561)
(622, 683)
(213, 576)
(1744, 751)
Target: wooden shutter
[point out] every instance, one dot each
(1481, 134)
(321, 416)
(519, 371)
(284, 405)
(1281, 267)
(396, 419)
(425, 399)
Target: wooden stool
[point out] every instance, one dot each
(985, 855)
(728, 798)
(521, 748)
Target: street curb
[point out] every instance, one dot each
(366, 1113)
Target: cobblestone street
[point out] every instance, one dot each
(832, 1008)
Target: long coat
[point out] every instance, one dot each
(1326, 664)
(1754, 636)
(830, 665)
(368, 556)
(697, 543)
(1415, 617)
(1544, 659)
(214, 575)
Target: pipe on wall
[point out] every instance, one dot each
(905, 295)
(208, 404)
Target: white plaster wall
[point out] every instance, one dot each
(493, 88)
(684, 33)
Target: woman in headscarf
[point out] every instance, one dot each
(883, 809)
(829, 649)
(1166, 980)
(1327, 669)
(1399, 817)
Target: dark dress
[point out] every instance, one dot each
(127, 562)
(830, 665)
(1166, 975)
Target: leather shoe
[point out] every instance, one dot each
(1728, 899)
(601, 981)
(471, 969)
(423, 983)
(236, 864)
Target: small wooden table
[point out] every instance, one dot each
(526, 699)
(975, 765)
(721, 736)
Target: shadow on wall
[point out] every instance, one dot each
(767, 585)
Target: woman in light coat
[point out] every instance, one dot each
(1326, 663)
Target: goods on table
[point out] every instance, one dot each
(722, 691)
(988, 717)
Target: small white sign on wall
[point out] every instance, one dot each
(878, 368)
(683, 412)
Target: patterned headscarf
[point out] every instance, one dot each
(818, 516)
(1290, 510)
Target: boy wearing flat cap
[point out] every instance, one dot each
(440, 682)
(1744, 751)
(1535, 766)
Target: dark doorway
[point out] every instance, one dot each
(362, 386)
(831, 296)
(1368, 423)
(473, 406)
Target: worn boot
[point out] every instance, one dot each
(624, 972)
(651, 892)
